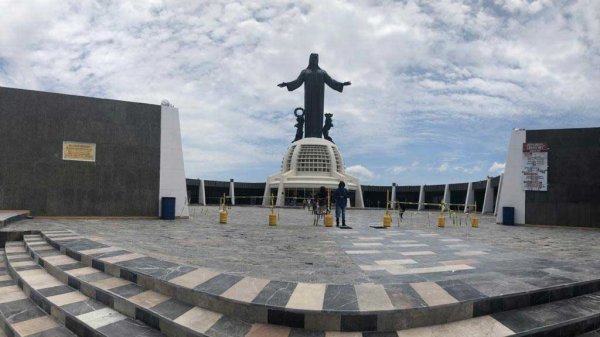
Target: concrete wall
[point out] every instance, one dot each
(124, 179)
(573, 196)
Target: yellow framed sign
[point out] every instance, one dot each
(79, 151)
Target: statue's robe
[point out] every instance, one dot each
(314, 80)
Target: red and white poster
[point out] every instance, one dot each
(535, 166)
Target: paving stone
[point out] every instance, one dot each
(194, 277)
(35, 325)
(83, 307)
(67, 298)
(171, 308)
(198, 319)
(432, 293)
(340, 298)
(218, 284)
(148, 299)
(307, 296)
(481, 326)
(19, 310)
(226, 327)
(246, 289)
(275, 293)
(128, 290)
(128, 327)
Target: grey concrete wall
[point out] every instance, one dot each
(124, 180)
(573, 196)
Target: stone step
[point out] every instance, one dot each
(320, 307)
(170, 316)
(7, 216)
(77, 312)
(19, 316)
(569, 317)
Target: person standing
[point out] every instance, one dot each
(400, 211)
(341, 200)
(321, 202)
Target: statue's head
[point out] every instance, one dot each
(328, 115)
(313, 61)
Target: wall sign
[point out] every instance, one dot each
(535, 167)
(79, 151)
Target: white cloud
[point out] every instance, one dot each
(422, 72)
(399, 169)
(527, 6)
(361, 172)
(497, 168)
(395, 170)
(443, 167)
(469, 169)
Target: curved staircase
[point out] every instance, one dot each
(95, 289)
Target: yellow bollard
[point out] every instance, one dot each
(223, 211)
(441, 221)
(387, 220)
(328, 220)
(272, 215)
(272, 219)
(475, 222)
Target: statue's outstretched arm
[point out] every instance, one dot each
(293, 85)
(335, 85)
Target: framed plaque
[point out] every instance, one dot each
(79, 151)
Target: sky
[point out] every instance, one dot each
(437, 86)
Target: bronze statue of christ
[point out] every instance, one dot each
(314, 79)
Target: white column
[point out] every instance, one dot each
(488, 199)
(470, 199)
(358, 197)
(393, 199)
(446, 198)
(172, 173)
(232, 191)
(513, 194)
(498, 195)
(280, 194)
(201, 193)
(267, 195)
(421, 205)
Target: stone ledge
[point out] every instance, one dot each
(8, 217)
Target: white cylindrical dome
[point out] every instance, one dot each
(313, 156)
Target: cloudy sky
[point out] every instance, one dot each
(437, 86)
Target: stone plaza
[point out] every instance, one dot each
(296, 279)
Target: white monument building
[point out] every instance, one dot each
(308, 164)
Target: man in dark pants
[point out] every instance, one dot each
(341, 200)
